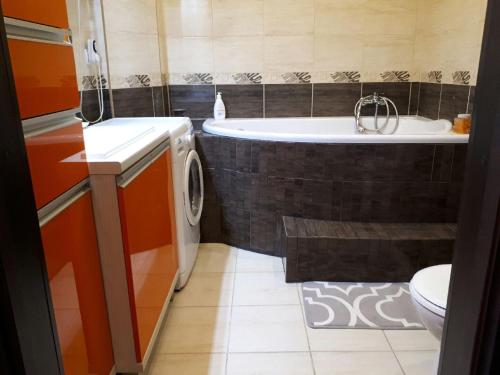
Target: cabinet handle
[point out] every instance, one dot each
(24, 30)
(43, 124)
(58, 205)
(134, 171)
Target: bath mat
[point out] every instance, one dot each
(359, 305)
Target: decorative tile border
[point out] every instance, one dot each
(138, 80)
(434, 76)
(346, 77)
(91, 82)
(395, 76)
(461, 77)
(256, 78)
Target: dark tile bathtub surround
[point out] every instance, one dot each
(454, 99)
(335, 99)
(90, 105)
(242, 101)
(260, 181)
(398, 92)
(414, 98)
(196, 100)
(347, 251)
(430, 97)
(290, 100)
(139, 102)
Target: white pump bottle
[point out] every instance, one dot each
(219, 108)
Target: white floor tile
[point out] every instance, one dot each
(269, 364)
(264, 288)
(357, 340)
(252, 262)
(418, 362)
(206, 289)
(267, 329)
(356, 363)
(188, 364)
(215, 257)
(195, 330)
(411, 340)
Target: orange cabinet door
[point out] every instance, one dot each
(149, 245)
(47, 12)
(76, 286)
(57, 161)
(45, 77)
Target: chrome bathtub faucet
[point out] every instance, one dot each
(377, 100)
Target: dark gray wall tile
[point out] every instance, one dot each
(335, 99)
(293, 100)
(472, 97)
(210, 225)
(133, 102)
(398, 92)
(158, 102)
(242, 100)
(166, 100)
(430, 95)
(197, 100)
(454, 100)
(443, 161)
(198, 124)
(90, 105)
(414, 98)
(263, 232)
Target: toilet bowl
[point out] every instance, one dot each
(429, 292)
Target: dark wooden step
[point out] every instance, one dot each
(355, 251)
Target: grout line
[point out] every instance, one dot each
(302, 311)
(409, 98)
(231, 313)
(312, 99)
(393, 352)
(263, 101)
(440, 97)
(468, 100)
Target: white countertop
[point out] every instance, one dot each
(115, 145)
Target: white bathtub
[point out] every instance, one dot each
(334, 130)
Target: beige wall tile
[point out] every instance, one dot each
(238, 54)
(333, 17)
(288, 17)
(238, 17)
(130, 15)
(390, 17)
(338, 53)
(288, 53)
(185, 17)
(125, 60)
(388, 52)
(189, 55)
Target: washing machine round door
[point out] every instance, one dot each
(193, 188)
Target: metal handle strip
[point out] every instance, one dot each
(53, 121)
(134, 171)
(58, 205)
(24, 30)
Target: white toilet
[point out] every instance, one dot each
(429, 292)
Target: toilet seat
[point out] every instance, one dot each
(429, 287)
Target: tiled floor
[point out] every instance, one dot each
(237, 316)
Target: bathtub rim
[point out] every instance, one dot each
(450, 137)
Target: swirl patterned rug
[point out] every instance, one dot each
(359, 305)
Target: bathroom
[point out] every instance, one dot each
(212, 187)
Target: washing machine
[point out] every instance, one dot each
(187, 181)
(189, 195)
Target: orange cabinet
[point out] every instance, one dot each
(57, 161)
(47, 12)
(45, 77)
(76, 286)
(145, 201)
